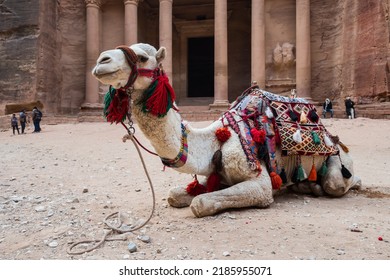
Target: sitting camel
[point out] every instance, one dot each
(264, 141)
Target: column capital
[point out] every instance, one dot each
(134, 2)
(93, 3)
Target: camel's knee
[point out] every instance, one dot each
(178, 197)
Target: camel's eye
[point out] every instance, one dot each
(143, 59)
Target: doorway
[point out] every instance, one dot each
(200, 67)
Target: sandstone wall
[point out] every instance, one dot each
(19, 31)
(350, 50)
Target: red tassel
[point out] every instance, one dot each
(119, 107)
(258, 135)
(223, 134)
(162, 98)
(276, 181)
(313, 174)
(213, 182)
(194, 188)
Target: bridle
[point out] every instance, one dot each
(132, 60)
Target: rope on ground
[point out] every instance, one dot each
(117, 229)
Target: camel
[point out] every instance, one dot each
(231, 177)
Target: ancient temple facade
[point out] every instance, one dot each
(215, 48)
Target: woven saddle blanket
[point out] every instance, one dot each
(284, 116)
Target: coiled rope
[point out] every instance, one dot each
(117, 229)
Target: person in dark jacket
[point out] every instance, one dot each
(36, 117)
(350, 108)
(23, 120)
(14, 124)
(327, 108)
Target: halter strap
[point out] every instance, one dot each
(132, 60)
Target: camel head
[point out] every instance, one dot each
(124, 66)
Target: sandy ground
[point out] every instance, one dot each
(57, 186)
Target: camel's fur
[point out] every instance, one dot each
(247, 188)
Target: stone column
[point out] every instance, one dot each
(221, 58)
(93, 51)
(166, 35)
(303, 64)
(258, 43)
(131, 22)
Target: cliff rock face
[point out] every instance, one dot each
(350, 50)
(42, 54)
(19, 31)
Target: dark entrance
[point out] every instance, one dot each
(201, 67)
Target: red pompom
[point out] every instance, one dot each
(223, 134)
(213, 182)
(194, 188)
(258, 135)
(276, 181)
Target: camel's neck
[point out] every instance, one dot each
(164, 133)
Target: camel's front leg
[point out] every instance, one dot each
(256, 192)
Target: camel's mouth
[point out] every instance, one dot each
(102, 75)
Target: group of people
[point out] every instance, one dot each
(349, 108)
(24, 118)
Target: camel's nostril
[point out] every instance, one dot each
(105, 59)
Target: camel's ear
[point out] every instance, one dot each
(160, 54)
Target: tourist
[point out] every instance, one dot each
(327, 108)
(36, 117)
(350, 108)
(23, 120)
(14, 124)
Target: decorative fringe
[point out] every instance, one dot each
(258, 135)
(316, 138)
(313, 174)
(194, 188)
(116, 105)
(276, 180)
(283, 175)
(160, 97)
(327, 141)
(345, 172)
(323, 170)
(301, 173)
(297, 136)
(345, 148)
(312, 115)
(269, 113)
(293, 116)
(336, 140)
(213, 182)
(303, 119)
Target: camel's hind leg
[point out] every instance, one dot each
(333, 182)
(256, 192)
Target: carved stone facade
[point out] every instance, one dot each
(320, 48)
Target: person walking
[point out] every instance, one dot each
(327, 108)
(14, 124)
(23, 120)
(36, 116)
(350, 108)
